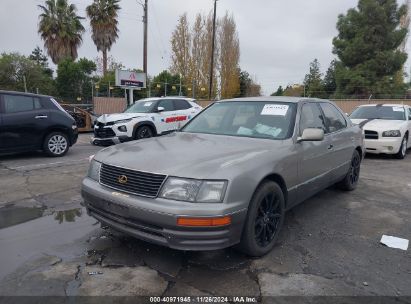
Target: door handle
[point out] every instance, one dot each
(330, 147)
(41, 117)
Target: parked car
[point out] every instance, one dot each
(146, 118)
(31, 122)
(387, 128)
(228, 176)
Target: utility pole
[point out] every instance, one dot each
(210, 89)
(145, 20)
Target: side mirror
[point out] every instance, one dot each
(347, 114)
(160, 109)
(311, 134)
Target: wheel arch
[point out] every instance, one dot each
(359, 150)
(145, 123)
(277, 178)
(56, 129)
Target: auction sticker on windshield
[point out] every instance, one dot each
(275, 109)
(398, 109)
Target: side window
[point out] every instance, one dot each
(311, 117)
(167, 104)
(409, 113)
(181, 104)
(18, 103)
(333, 118)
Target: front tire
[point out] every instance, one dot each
(264, 220)
(403, 149)
(144, 132)
(56, 144)
(352, 177)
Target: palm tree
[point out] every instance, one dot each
(61, 29)
(103, 20)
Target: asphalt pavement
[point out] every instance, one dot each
(329, 245)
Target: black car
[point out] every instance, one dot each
(31, 122)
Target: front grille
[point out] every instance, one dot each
(371, 134)
(104, 133)
(139, 183)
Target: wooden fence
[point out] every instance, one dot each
(109, 105)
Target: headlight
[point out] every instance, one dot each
(192, 190)
(392, 133)
(94, 170)
(122, 121)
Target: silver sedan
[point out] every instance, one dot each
(228, 176)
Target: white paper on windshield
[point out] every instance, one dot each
(267, 130)
(398, 109)
(244, 131)
(274, 109)
(147, 104)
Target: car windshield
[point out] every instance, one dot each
(272, 120)
(141, 106)
(379, 112)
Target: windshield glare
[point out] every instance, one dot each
(379, 112)
(141, 106)
(272, 120)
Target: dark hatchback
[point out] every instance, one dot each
(30, 122)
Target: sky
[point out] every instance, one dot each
(278, 39)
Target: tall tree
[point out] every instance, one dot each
(313, 81)
(180, 47)
(103, 16)
(279, 92)
(38, 57)
(61, 29)
(368, 47)
(329, 82)
(229, 57)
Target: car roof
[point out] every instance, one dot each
(21, 93)
(384, 104)
(287, 99)
(167, 97)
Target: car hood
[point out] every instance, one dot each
(105, 118)
(193, 155)
(379, 124)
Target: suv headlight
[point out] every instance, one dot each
(122, 121)
(193, 190)
(94, 170)
(391, 133)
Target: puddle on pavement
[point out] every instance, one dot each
(32, 232)
(12, 215)
(15, 215)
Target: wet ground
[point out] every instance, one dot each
(329, 245)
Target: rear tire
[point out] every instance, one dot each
(264, 220)
(403, 149)
(144, 132)
(352, 177)
(56, 144)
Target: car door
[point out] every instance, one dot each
(24, 122)
(315, 156)
(341, 138)
(184, 112)
(167, 118)
(2, 133)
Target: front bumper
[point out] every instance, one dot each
(155, 220)
(109, 141)
(384, 145)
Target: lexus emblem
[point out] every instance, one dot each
(122, 179)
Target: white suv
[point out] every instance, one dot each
(146, 118)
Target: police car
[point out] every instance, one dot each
(146, 118)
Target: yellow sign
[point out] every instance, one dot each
(97, 86)
(189, 89)
(203, 89)
(173, 87)
(78, 98)
(158, 86)
(111, 88)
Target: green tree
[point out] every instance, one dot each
(279, 92)
(368, 49)
(103, 16)
(160, 88)
(313, 81)
(16, 68)
(296, 90)
(329, 82)
(38, 56)
(61, 29)
(74, 79)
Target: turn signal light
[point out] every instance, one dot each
(204, 222)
